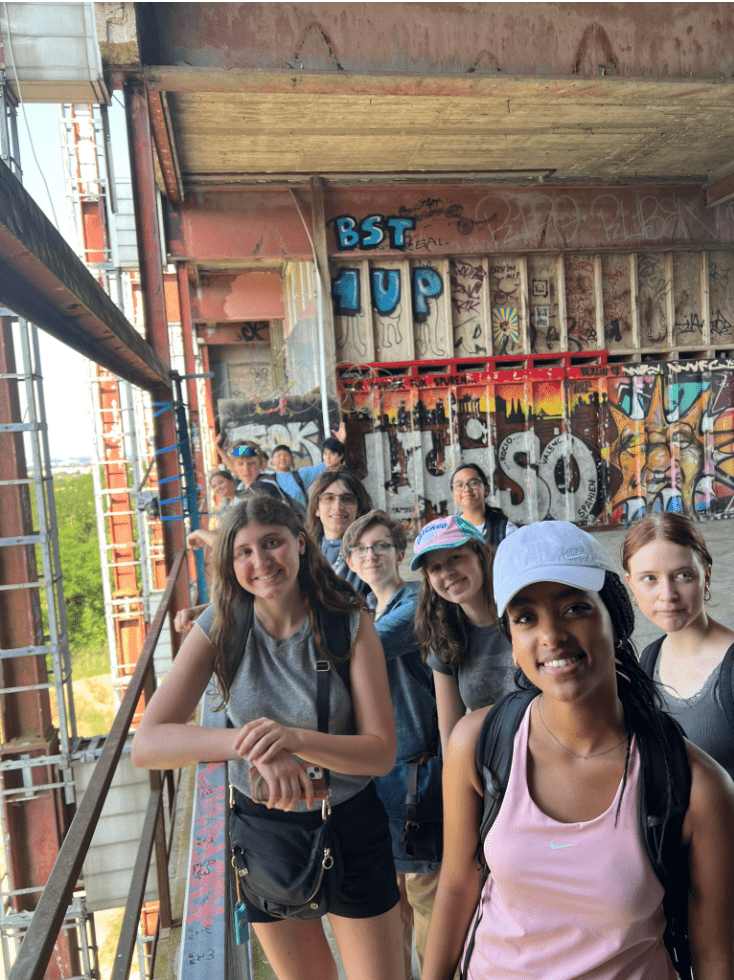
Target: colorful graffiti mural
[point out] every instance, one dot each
(592, 443)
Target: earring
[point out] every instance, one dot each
(706, 594)
(514, 660)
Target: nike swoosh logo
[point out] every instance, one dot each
(558, 847)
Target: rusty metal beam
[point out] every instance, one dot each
(165, 147)
(42, 280)
(156, 319)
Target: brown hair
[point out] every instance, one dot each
(318, 582)
(675, 528)
(375, 518)
(364, 502)
(441, 625)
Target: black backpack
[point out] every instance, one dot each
(334, 629)
(495, 526)
(649, 657)
(662, 837)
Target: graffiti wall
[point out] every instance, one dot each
(288, 421)
(496, 305)
(592, 442)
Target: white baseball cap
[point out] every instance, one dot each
(549, 551)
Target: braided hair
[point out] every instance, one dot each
(638, 693)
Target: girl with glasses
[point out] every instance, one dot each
(456, 621)
(374, 546)
(337, 499)
(470, 489)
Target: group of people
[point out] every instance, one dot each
(569, 888)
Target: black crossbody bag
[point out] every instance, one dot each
(289, 870)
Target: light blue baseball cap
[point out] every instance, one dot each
(548, 551)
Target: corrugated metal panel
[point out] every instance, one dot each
(52, 50)
(112, 855)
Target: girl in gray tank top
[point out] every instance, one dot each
(300, 609)
(668, 568)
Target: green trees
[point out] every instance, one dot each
(82, 574)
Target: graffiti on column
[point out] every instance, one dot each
(468, 278)
(672, 442)
(385, 291)
(293, 422)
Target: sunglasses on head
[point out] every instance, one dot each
(247, 451)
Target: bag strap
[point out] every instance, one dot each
(495, 746)
(649, 656)
(323, 669)
(299, 483)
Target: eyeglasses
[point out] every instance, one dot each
(348, 499)
(379, 548)
(469, 485)
(247, 451)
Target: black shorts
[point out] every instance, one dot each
(360, 824)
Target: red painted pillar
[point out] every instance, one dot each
(156, 323)
(36, 821)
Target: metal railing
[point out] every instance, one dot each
(38, 943)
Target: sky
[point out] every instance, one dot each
(65, 372)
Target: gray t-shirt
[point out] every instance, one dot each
(487, 671)
(702, 716)
(277, 680)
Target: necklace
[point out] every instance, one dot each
(593, 755)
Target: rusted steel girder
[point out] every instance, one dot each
(156, 325)
(165, 147)
(42, 280)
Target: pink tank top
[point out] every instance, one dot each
(568, 901)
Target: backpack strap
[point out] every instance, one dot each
(664, 768)
(494, 755)
(495, 746)
(495, 524)
(299, 482)
(334, 629)
(649, 656)
(727, 685)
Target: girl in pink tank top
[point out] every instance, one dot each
(542, 910)
(572, 894)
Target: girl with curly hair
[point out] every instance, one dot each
(456, 621)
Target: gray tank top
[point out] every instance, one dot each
(702, 716)
(276, 679)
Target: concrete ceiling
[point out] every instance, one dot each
(612, 92)
(602, 130)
